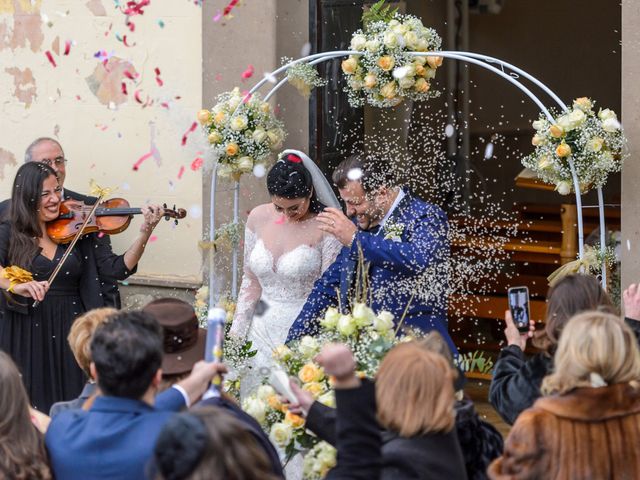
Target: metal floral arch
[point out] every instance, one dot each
(509, 72)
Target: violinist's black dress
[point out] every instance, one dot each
(36, 338)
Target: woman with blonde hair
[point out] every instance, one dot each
(588, 427)
(22, 452)
(79, 339)
(415, 405)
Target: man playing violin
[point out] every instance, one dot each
(48, 151)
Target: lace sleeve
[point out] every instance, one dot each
(250, 291)
(331, 246)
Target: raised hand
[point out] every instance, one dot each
(337, 224)
(631, 299)
(513, 335)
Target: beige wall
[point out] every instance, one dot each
(631, 122)
(103, 131)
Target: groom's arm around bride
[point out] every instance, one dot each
(403, 238)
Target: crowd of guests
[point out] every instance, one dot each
(574, 406)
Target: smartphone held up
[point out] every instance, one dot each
(518, 298)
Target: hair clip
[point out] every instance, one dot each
(294, 158)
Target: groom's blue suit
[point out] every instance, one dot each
(399, 267)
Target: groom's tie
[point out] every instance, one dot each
(349, 268)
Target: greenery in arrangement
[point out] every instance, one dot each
(592, 140)
(243, 132)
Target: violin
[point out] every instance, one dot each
(110, 217)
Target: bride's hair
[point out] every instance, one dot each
(289, 178)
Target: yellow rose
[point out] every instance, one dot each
(389, 90)
(537, 140)
(583, 103)
(328, 399)
(239, 122)
(349, 65)
(310, 373)
(434, 62)
(370, 80)
(420, 60)
(274, 402)
(282, 353)
(232, 149)
(265, 391)
(219, 118)
(295, 421)
(386, 63)
(563, 150)
(214, 137)
(420, 70)
(314, 388)
(265, 107)
(422, 85)
(556, 131)
(430, 73)
(204, 117)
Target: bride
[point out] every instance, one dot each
(285, 252)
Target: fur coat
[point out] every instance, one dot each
(588, 433)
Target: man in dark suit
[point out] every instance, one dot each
(116, 437)
(403, 240)
(49, 151)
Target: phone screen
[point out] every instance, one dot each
(519, 306)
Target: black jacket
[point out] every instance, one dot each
(517, 380)
(108, 283)
(476, 442)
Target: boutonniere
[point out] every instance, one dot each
(393, 231)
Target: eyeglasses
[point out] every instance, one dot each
(58, 161)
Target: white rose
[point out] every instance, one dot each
(606, 113)
(406, 82)
(411, 39)
(327, 458)
(422, 45)
(595, 144)
(275, 138)
(390, 40)
(346, 325)
(308, 346)
(373, 46)
(256, 408)
(281, 434)
(404, 71)
(328, 399)
(245, 164)
(563, 188)
(238, 123)
(430, 73)
(400, 29)
(259, 135)
(565, 123)
(544, 163)
(331, 317)
(234, 102)
(358, 42)
(383, 322)
(362, 315)
(539, 125)
(611, 125)
(264, 392)
(577, 117)
(393, 23)
(419, 60)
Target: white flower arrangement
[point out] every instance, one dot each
(594, 142)
(384, 73)
(318, 461)
(242, 130)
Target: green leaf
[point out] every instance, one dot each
(378, 12)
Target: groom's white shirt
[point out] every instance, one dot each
(395, 204)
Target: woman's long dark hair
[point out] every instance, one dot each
(22, 452)
(289, 178)
(26, 197)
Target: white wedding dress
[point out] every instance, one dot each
(282, 260)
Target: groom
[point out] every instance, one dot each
(403, 238)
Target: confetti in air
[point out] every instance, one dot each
(50, 58)
(248, 73)
(193, 126)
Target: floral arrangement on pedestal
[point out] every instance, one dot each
(368, 335)
(385, 72)
(593, 141)
(243, 132)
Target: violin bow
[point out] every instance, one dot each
(56, 270)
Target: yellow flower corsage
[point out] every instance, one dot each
(16, 276)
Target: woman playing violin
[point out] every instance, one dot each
(36, 337)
